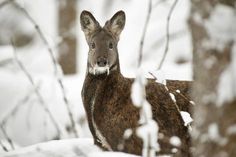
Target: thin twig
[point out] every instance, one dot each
(3, 147)
(21, 103)
(56, 66)
(152, 75)
(4, 3)
(144, 33)
(9, 140)
(40, 97)
(167, 34)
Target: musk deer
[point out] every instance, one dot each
(106, 94)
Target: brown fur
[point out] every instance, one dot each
(114, 111)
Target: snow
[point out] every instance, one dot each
(231, 130)
(138, 89)
(70, 148)
(226, 87)
(214, 135)
(4, 52)
(175, 141)
(221, 30)
(174, 150)
(148, 133)
(66, 148)
(186, 118)
(82, 147)
(210, 61)
(160, 76)
(192, 102)
(172, 96)
(148, 130)
(127, 133)
(220, 27)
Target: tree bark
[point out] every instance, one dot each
(67, 31)
(212, 25)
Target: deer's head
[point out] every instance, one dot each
(102, 41)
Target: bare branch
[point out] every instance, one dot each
(144, 33)
(152, 75)
(167, 34)
(6, 2)
(9, 140)
(21, 103)
(3, 147)
(40, 97)
(56, 66)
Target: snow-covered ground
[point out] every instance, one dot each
(30, 124)
(66, 148)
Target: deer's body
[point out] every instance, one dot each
(106, 95)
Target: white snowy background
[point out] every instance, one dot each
(30, 124)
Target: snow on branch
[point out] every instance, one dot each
(148, 129)
(57, 69)
(160, 78)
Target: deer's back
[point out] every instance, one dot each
(114, 113)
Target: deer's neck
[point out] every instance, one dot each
(101, 81)
(93, 84)
(93, 90)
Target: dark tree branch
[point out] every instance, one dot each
(9, 140)
(6, 2)
(3, 147)
(144, 33)
(167, 34)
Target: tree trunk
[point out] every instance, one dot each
(67, 31)
(213, 29)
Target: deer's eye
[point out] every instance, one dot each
(110, 46)
(93, 45)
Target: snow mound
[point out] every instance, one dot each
(82, 147)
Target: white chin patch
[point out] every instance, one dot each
(96, 70)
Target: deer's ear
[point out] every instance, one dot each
(88, 22)
(116, 24)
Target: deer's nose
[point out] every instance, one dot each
(102, 62)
